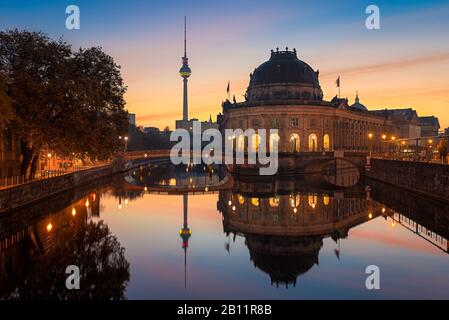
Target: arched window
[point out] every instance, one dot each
(326, 200)
(313, 142)
(326, 142)
(274, 142)
(294, 200)
(241, 199)
(294, 143)
(255, 202)
(255, 143)
(274, 202)
(241, 142)
(312, 200)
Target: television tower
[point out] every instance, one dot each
(185, 234)
(185, 73)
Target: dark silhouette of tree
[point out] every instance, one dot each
(442, 149)
(103, 268)
(68, 101)
(139, 140)
(5, 104)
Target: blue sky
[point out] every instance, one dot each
(404, 64)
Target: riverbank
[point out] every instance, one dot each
(39, 190)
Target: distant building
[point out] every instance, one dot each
(430, 126)
(132, 119)
(151, 130)
(188, 125)
(9, 154)
(405, 122)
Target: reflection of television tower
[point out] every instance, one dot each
(185, 234)
(185, 73)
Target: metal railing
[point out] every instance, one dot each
(10, 182)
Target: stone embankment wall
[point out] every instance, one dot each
(32, 192)
(429, 179)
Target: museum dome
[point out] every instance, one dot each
(357, 105)
(284, 77)
(284, 67)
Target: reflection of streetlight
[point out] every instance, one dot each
(370, 137)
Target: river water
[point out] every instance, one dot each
(141, 236)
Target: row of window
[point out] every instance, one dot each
(275, 123)
(294, 143)
(294, 201)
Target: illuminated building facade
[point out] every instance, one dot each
(284, 93)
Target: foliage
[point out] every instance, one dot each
(71, 102)
(442, 148)
(5, 104)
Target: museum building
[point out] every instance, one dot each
(284, 93)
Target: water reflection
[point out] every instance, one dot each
(291, 229)
(36, 247)
(284, 228)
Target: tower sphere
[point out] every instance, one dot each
(185, 71)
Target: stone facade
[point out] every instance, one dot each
(429, 179)
(310, 128)
(284, 94)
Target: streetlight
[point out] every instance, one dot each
(126, 142)
(430, 147)
(393, 139)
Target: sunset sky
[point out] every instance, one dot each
(404, 64)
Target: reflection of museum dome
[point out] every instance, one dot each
(285, 69)
(282, 258)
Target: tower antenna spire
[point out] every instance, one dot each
(185, 36)
(185, 73)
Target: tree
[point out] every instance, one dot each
(442, 149)
(5, 104)
(71, 102)
(34, 66)
(99, 94)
